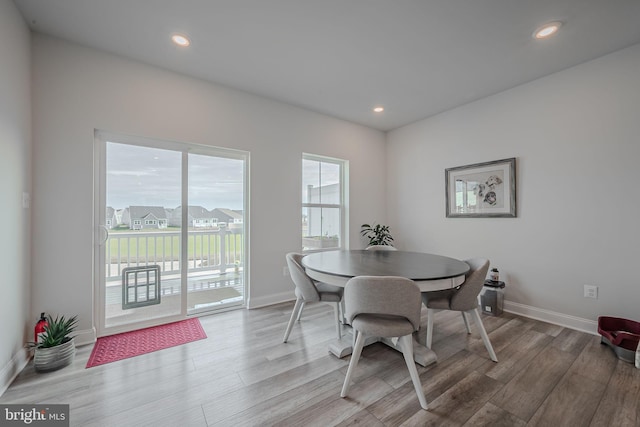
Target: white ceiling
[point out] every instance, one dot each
(342, 57)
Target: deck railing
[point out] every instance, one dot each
(215, 250)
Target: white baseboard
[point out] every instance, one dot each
(11, 370)
(571, 322)
(19, 361)
(85, 337)
(270, 300)
(561, 319)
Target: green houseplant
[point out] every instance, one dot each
(56, 348)
(377, 234)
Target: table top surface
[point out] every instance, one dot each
(412, 265)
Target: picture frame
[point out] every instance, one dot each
(481, 190)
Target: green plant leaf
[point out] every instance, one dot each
(58, 331)
(378, 234)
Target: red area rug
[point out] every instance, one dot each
(130, 344)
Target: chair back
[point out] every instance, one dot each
(304, 284)
(466, 298)
(385, 295)
(380, 248)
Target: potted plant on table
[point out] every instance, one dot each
(56, 348)
(377, 234)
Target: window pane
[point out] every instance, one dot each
(322, 187)
(142, 185)
(310, 179)
(216, 232)
(305, 222)
(320, 228)
(329, 183)
(320, 182)
(323, 222)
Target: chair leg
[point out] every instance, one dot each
(483, 333)
(294, 315)
(466, 321)
(336, 308)
(429, 327)
(406, 343)
(355, 356)
(300, 312)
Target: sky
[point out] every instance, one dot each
(318, 174)
(145, 176)
(152, 177)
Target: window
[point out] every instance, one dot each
(323, 202)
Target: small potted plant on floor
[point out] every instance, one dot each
(56, 348)
(377, 234)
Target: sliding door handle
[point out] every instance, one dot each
(106, 234)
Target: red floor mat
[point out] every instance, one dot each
(130, 344)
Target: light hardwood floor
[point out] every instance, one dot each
(243, 375)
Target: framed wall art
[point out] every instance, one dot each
(482, 190)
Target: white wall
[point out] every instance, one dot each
(15, 178)
(78, 90)
(575, 135)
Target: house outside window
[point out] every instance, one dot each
(324, 201)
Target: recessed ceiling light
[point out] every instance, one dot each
(378, 109)
(181, 40)
(547, 30)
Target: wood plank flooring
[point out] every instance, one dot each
(243, 375)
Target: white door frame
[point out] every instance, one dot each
(101, 232)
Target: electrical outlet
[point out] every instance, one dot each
(590, 291)
(285, 271)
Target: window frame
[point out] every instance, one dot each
(342, 206)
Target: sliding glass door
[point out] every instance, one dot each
(216, 232)
(171, 233)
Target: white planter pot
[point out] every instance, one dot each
(50, 359)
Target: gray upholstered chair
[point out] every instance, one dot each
(307, 290)
(380, 248)
(383, 307)
(463, 299)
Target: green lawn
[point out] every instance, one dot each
(167, 247)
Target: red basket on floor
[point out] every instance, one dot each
(622, 335)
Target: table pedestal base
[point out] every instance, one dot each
(422, 355)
